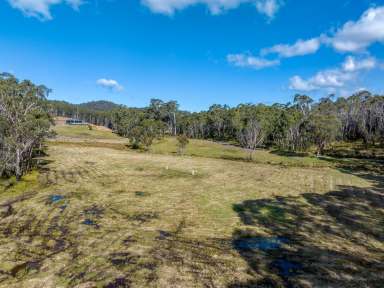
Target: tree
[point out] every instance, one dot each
(303, 103)
(251, 136)
(182, 142)
(166, 112)
(25, 123)
(323, 125)
(144, 133)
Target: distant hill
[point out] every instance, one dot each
(101, 105)
(95, 112)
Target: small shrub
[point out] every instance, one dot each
(182, 142)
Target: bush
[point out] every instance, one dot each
(182, 142)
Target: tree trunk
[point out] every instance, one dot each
(18, 170)
(174, 123)
(251, 154)
(320, 149)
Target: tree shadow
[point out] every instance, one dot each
(318, 240)
(367, 168)
(290, 153)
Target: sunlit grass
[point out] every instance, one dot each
(159, 219)
(210, 149)
(11, 188)
(83, 132)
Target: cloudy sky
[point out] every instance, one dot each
(197, 52)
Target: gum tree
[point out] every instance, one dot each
(25, 123)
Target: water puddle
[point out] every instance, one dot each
(90, 222)
(287, 268)
(55, 198)
(141, 193)
(260, 243)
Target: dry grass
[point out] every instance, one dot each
(166, 221)
(81, 133)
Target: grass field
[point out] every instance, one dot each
(83, 133)
(97, 214)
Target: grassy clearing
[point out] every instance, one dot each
(208, 149)
(82, 133)
(104, 217)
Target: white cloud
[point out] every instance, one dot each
(323, 79)
(243, 60)
(301, 47)
(298, 83)
(110, 84)
(351, 37)
(357, 36)
(268, 7)
(41, 8)
(333, 78)
(169, 7)
(352, 65)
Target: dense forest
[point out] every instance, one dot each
(295, 126)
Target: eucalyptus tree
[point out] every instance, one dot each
(251, 136)
(166, 112)
(324, 126)
(25, 123)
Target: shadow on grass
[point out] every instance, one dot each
(369, 169)
(330, 240)
(290, 153)
(235, 158)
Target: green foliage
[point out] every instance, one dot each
(145, 132)
(292, 127)
(25, 124)
(323, 125)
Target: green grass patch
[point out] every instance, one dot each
(210, 149)
(83, 132)
(10, 187)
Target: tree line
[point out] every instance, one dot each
(26, 116)
(95, 112)
(296, 126)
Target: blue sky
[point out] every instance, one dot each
(198, 52)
